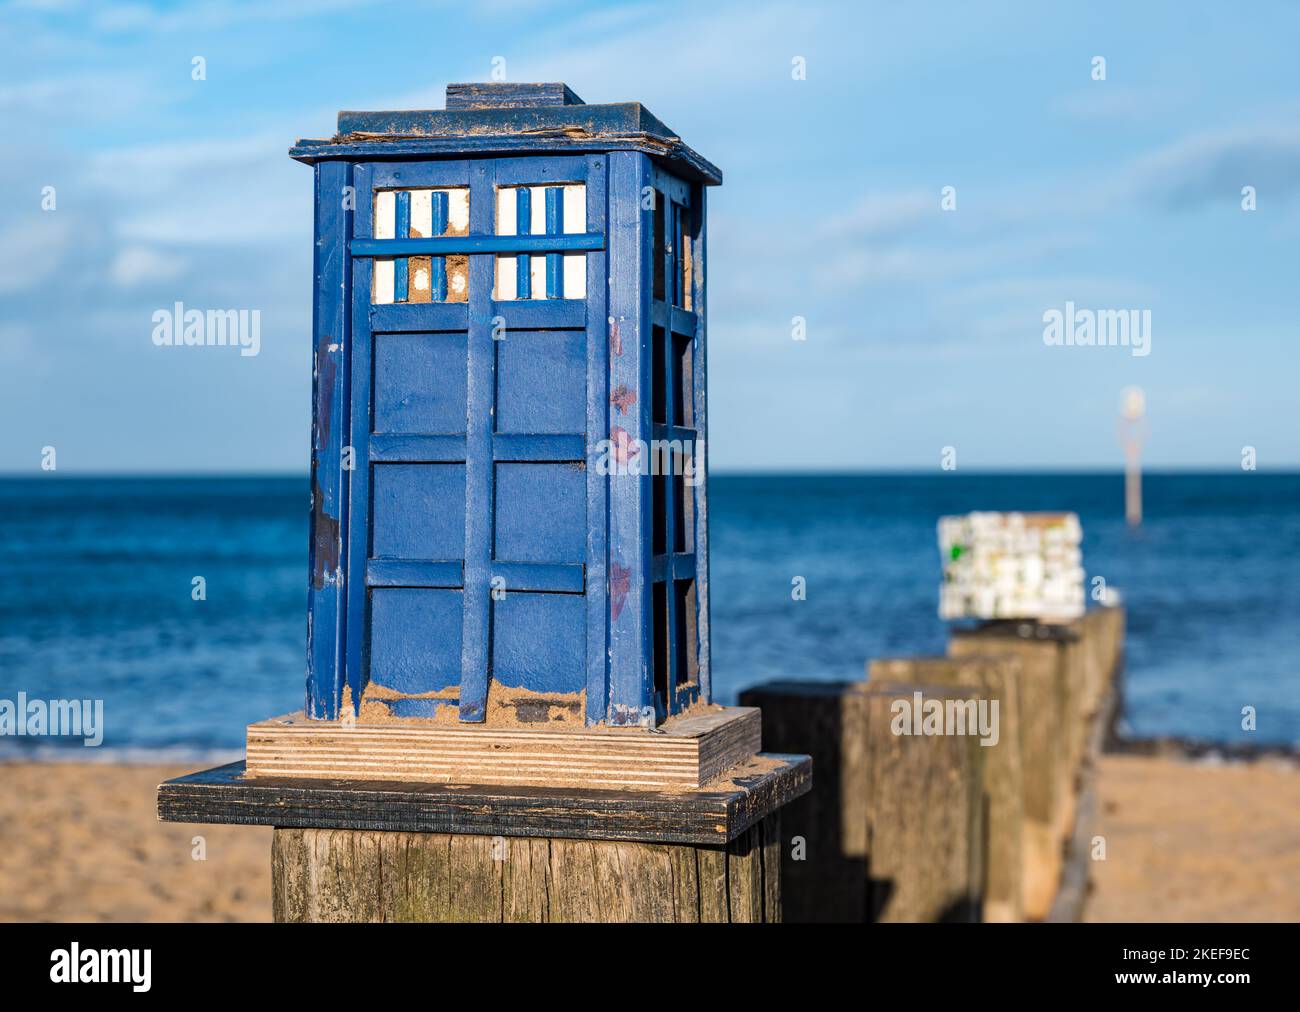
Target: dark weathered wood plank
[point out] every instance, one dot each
(345, 875)
(705, 816)
(526, 880)
(685, 884)
(745, 877)
(772, 885)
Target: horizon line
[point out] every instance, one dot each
(995, 471)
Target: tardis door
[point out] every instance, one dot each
(476, 527)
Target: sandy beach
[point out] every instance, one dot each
(1197, 841)
(83, 843)
(1186, 841)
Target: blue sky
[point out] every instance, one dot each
(924, 327)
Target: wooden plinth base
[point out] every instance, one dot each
(684, 753)
(345, 875)
(713, 815)
(355, 850)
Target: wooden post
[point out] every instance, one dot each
(1067, 672)
(349, 875)
(1044, 753)
(1104, 635)
(823, 868)
(347, 850)
(894, 830)
(925, 815)
(996, 678)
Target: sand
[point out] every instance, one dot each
(1191, 841)
(83, 843)
(1186, 841)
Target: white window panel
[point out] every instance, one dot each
(458, 211)
(421, 214)
(575, 222)
(385, 215)
(507, 283)
(383, 284)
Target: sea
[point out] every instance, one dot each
(99, 596)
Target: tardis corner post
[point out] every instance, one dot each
(330, 310)
(508, 575)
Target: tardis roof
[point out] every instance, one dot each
(504, 119)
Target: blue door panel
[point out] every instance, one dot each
(541, 513)
(539, 641)
(420, 383)
(414, 511)
(415, 638)
(542, 381)
(472, 557)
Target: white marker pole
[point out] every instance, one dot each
(1132, 413)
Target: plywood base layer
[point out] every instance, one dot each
(684, 753)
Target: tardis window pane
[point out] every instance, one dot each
(381, 292)
(661, 646)
(421, 214)
(507, 279)
(687, 257)
(683, 366)
(420, 279)
(658, 388)
(522, 210)
(687, 645)
(537, 226)
(385, 215)
(575, 223)
(659, 509)
(657, 254)
(457, 267)
(684, 498)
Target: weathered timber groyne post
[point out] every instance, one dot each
(925, 812)
(894, 830)
(509, 706)
(997, 679)
(823, 871)
(1046, 742)
(1068, 673)
(1055, 690)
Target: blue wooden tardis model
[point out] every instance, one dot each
(510, 522)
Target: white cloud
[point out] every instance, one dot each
(881, 214)
(32, 249)
(229, 190)
(1213, 166)
(136, 265)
